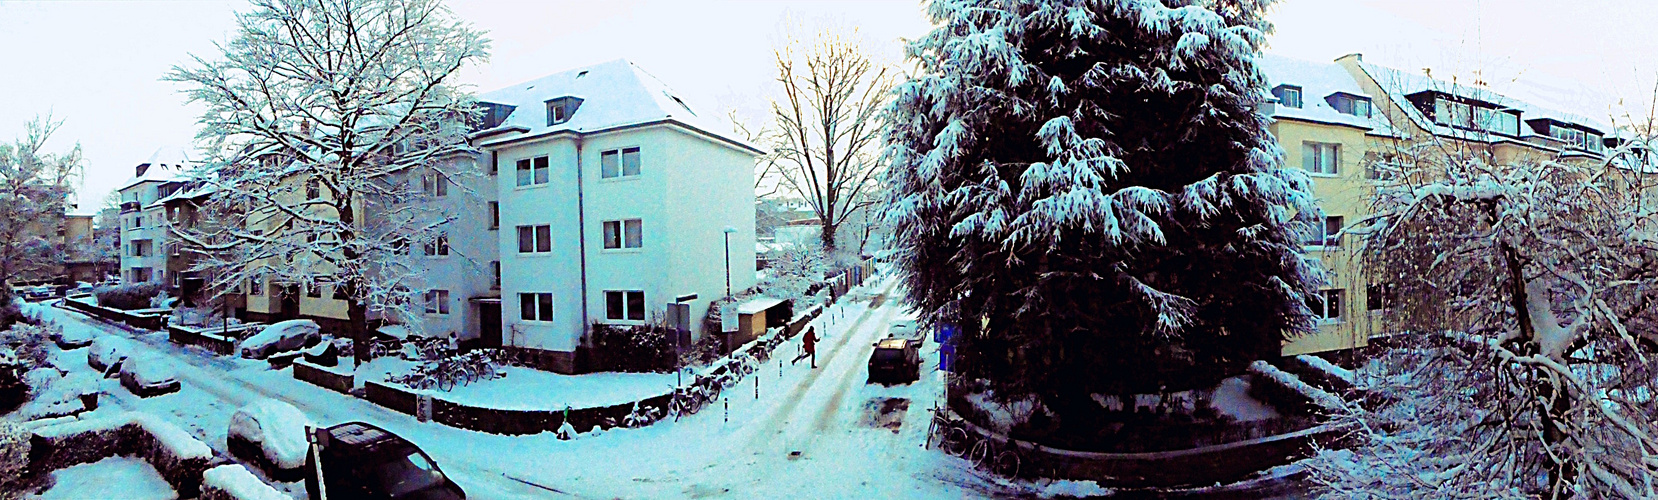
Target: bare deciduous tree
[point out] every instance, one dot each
(34, 192)
(320, 117)
(826, 129)
(1525, 292)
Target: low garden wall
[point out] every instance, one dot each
(212, 339)
(324, 376)
(1201, 466)
(141, 319)
(176, 455)
(510, 422)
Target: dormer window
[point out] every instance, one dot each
(1349, 104)
(1476, 116)
(561, 109)
(493, 115)
(1587, 141)
(1288, 95)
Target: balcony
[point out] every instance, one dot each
(129, 206)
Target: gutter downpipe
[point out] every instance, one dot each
(581, 236)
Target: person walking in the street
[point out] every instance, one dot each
(808, 344)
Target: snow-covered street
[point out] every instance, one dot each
(811, 433)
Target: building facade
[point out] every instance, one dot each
(145, 243)
(1349, 124)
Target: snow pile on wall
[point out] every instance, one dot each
(234, 482)
(1318, 396)
(1320, 364)
(180, 444)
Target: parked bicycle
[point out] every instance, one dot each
(1002, 457)
(947, 432)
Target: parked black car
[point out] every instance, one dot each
(895, 361)
(360, 460)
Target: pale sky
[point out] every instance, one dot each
(97, 64)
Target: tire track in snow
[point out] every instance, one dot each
(782, 415)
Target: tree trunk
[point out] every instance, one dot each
(827, 237)
(357, 315)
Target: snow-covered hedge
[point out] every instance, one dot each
(178, 456)
(234, 482)
(629, 348)
(129, 296)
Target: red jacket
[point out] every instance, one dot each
(810, 340)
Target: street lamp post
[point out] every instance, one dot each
(728, 231)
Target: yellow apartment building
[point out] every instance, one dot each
(1346, 121)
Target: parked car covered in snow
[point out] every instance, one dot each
(148, 376)
(107, 353)
(272, 433)
(895, 360)
(38, 293)
(280, 337)
(359, 460)
(73, 338)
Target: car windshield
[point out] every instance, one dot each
(888, 355)
(407, 470)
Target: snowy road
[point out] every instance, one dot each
(811, 433)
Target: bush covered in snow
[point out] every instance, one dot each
(631, 348)
(22, 348)
(14, 450)
(128, 296)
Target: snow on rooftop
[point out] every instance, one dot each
(167, 163)
(1318, 80)
(614, 94)
(1400, 83)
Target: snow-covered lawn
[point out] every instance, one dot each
(114, 478)
(529, 389)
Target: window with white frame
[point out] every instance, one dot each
(535, 306)
(1379, 296)
(1321, 158)
(624, 305)
(1327, 304)
(439, 246)
(256, 286)
(313, 189)
(1288, 95)
(434, 184)
(627, 233)
(532, 171)
(437, 302)
(617, 163)
(535, 239)
(494, 215)
(495, 275)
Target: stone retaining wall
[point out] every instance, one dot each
(323, 377)
(211, 339)
(142, 321)
(1208, 465)
(510, 422)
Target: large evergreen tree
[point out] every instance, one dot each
(1087, 189)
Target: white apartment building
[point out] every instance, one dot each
(614, 201)
(144, 238)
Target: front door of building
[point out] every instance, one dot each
(289, 308)
(489, 323)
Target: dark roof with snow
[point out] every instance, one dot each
(614, 95)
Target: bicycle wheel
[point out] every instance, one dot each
(1006, 464)
(932, 434)
(980, 451)
(955, 441)
(446, 382)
